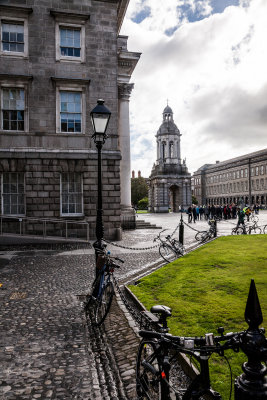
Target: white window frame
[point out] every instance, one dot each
(15, 85)
(71, 88)
(61, 193)
(16, 20)
(81, 27)
(2, 193)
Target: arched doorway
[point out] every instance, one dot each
(175, 200)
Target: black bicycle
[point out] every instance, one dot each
(169, 249)
(247, 229)
(158, 350)
(99, 301)
(203, 236)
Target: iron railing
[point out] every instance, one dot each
(44, 227)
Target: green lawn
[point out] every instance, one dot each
(208, 288)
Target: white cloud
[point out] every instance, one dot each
(212, 71)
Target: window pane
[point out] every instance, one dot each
(71, 193)
(78, 127)
(20, 37)
(64, 51)
(77, 38)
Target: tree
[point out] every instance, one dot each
(139, 189)
(143, 204)
(194, 200)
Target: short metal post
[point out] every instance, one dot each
(181, 230)
(87, 231)
(252, 384)
(66, 230)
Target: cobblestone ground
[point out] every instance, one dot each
(47, 348)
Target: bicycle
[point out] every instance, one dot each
(99, 301)
(157, 351)
(203, 236)
(246, 229)
(169, 249)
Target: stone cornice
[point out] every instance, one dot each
(16, 9)
(79, 81)
(15, 77)
(58, 14)
(127, 61)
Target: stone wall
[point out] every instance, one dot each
(41, 151)
(42, 188)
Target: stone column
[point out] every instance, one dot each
(124, 143)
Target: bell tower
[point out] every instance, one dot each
(170, 181)
(168, 140)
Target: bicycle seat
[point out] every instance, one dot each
(164, 311)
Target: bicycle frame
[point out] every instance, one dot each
(102, 282)
(199, 386)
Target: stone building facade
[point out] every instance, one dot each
(56, 59)
(170, 181)
(240, 180)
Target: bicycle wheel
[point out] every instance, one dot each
(167, 253)
(198, 235)
(204, 236)
(265, 229)
(256, 230)
(148, 378)
(254, 218)
(91, 302)
(104, 303)
(237, 231)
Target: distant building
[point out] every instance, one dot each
(170, 181)
(56, 59)
(240, 180)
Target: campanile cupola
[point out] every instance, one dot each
(168, 140)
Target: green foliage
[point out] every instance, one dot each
(139, 189)
(143, 203)
(194, 199)
(208, 288)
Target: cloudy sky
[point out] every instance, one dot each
(209, 59)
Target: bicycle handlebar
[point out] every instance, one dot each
(201, 344)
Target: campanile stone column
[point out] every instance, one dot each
(124, 143)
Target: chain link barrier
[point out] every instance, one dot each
(193, 229)
(139, 248)
(131, 248)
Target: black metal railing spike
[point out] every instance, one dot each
(252, 384)
(253, 314)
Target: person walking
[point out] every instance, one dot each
(189, 212)
(194, 214)
(197, 210)
(241, 219)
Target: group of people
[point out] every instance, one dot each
(227, 211)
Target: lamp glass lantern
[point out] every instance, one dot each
(100, 116)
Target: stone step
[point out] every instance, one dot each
(142, 224)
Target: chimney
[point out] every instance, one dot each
(139, 174)
(133, 175)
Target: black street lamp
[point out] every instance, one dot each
(100, 116)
